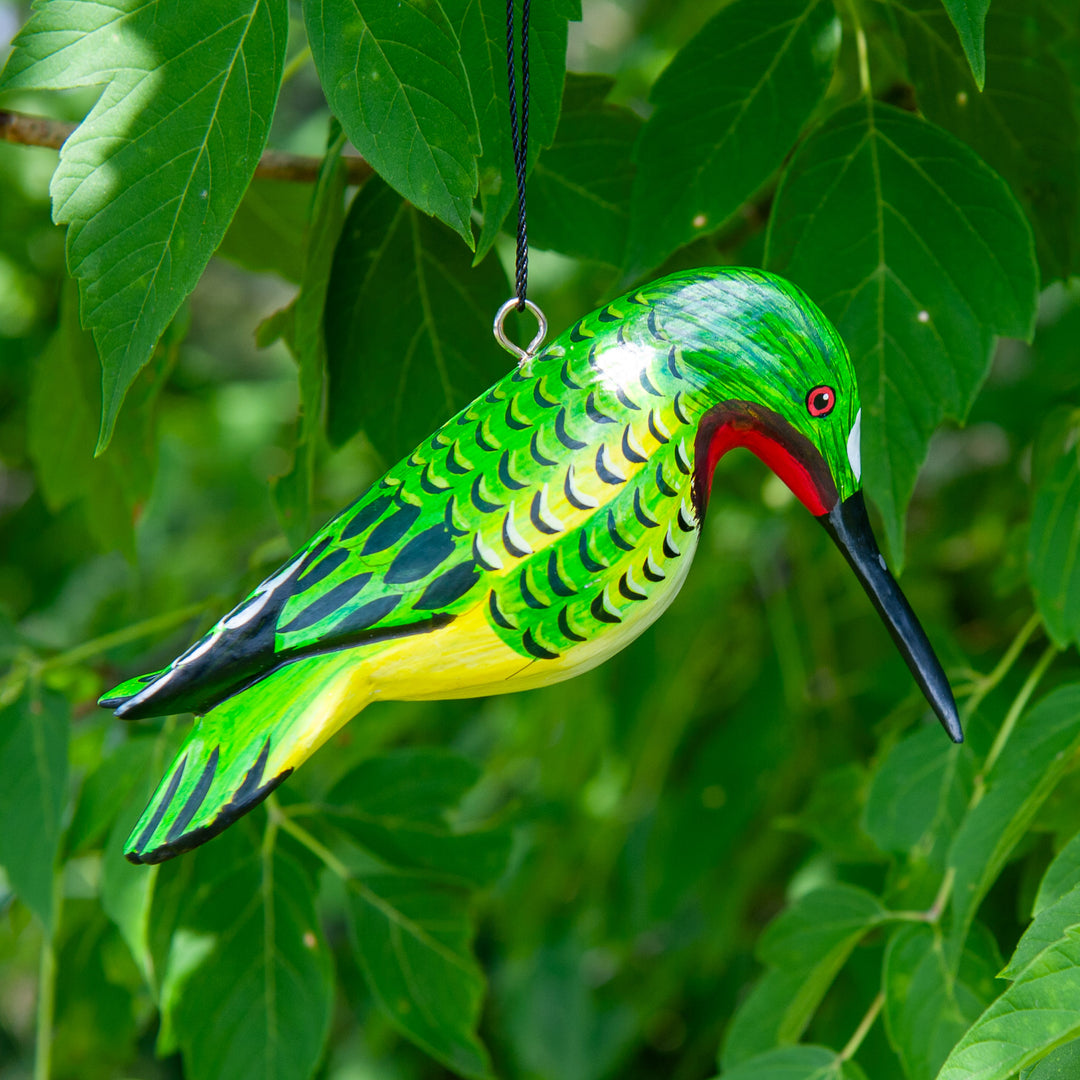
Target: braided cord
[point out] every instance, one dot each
(519, 136)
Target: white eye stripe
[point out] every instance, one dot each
(854, 448)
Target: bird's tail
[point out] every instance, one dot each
(240, 750)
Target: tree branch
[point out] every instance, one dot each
(27, 130)
(33, 130)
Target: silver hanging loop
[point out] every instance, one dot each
(500, 331)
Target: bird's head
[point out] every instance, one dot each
(775, 377)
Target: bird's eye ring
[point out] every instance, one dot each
(820, 401)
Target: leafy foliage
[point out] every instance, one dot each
(292, 492)
(684, 185)
(1055, 568)
(1020, 124)
(969, 18)
(852, 214)
(33, 737)
(1036, 1014)
(185, 111)
(396, 79)
(481, 31)
(930, 1003)
(737, 845)
(804, 948)
(412, 941)
(254, 912)
(1040, 748)
(377, 354)
(579, 197)
(796, 1063)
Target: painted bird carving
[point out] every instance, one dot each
(531, 537)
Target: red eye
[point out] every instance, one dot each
(820, 401)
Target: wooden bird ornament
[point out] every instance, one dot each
(532, 536)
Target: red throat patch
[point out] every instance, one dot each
(771, 439)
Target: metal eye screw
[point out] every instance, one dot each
(500, 332)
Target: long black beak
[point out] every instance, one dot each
(849, 527)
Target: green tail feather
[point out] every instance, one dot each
(238, 753)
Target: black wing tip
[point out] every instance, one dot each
(138, 708)
(124, 708)
(230, 812)
(128, 691)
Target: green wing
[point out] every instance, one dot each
(559, 477)
(557, 500)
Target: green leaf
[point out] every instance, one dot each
(248, 968)
(97, 1020)
(919, 254)
(279, 325)
(129, 894)
(292, 493)
(1053, 550)
(1057, 907)
(62, 428)
(412, 938)
(1060, 1064)
(398, 806)
(795, 1063)
(104, 793)
(267, 232)
(1058, 432)
(1024, 124)
(1038, 1013)
(969, 18)
(817, 925)
(1046, 929)
(579, 195)
(1036, 756)
(127, 891)
(928, 1007)
(1061, 877)
(805, 946)
(174, 956)
(150, 180)
(920, 790)
(394, 75)
(400, 369)
(712, 142)
(481, 28)
(774, 1012)
(33, 781)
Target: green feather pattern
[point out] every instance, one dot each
(565, 501)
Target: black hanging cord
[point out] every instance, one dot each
(519, 135)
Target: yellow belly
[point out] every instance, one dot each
(465, 658)
(468, 659)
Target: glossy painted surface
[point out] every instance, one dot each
(535, 534)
